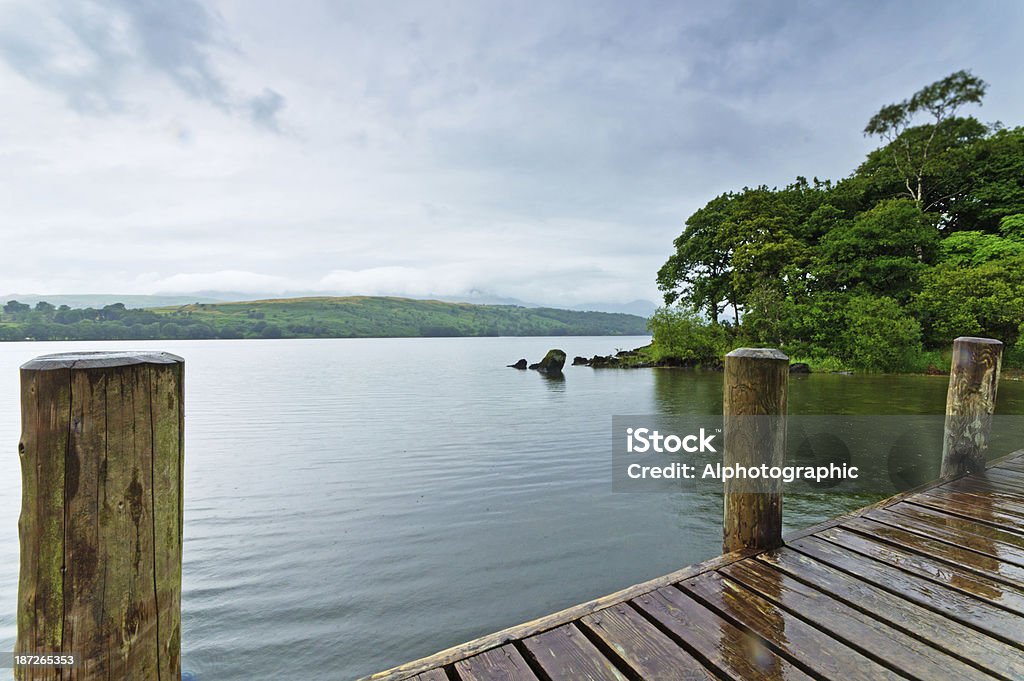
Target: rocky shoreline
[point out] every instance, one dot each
(628, 359)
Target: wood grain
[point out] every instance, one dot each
(875, 638)
(942, 572)
(500, 664)
(754, 409)
(970, 403)
(972, 612)
(910, 618)
(639, 644)
(733, 651)
(107, 422)
(800, 642)
(565, 654)
(986, 565)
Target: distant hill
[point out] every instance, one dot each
(100, 299)
(643, 308)
(313, 317)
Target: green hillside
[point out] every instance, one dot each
(349, 317)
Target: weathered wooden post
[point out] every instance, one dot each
(756, 388)
(970, 403)
(101, 518)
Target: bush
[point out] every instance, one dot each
(921, 362)
(880, 336)
(984, 300)
(1015, 355)
(821, 365)
(682, 334)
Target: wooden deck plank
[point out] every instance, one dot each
(565, 654)
(994, 621)
(800, 642)
(432, 675)
(640, 645)
(957, 523)
(498, 664)
(1010, 475)
(936, 570)
(877, 639)
(1006, 479)
(1013, 555)
(970, 511)
(734, 652)
(1014, 511)
(1014, 464)
(986, 489)
(971, 560)
(996, 479)
(915, 620)
(983, 494)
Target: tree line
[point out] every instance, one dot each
(921, 243)
(353, 317)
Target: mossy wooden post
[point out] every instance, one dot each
(101, 518)
(970, 403)
(756, 387)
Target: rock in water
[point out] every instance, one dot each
(552, 362)
(521, 364)
(580, 361)
(799, 368)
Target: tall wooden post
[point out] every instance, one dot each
(101, 518)
(970, 403)
(756, 391)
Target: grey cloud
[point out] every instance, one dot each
(263, 109)
(437, 148)
(174, 37)
(89, 51)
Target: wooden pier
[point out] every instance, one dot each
(926, 585)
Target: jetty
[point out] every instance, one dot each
(928, 584)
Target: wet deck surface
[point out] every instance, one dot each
(926, 586)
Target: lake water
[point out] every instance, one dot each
(354, 504)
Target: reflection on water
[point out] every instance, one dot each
(340, 493)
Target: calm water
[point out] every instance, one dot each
(344, 493)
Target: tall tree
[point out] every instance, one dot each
(913, 148)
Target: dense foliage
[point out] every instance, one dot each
(355, 317)
(922, 243)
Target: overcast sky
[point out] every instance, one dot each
(548, 151)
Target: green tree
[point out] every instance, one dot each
(986, 299)
(996, 189)
(271, 331)
(968, 249)
(880, 335)
(699, 272)
(13, 307)
(883, 251)
(682, 334)
(916, 149)
(754, 240)
(171, 330)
